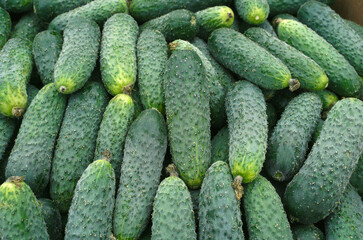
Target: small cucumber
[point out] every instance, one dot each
(5, 27)
(253, 12)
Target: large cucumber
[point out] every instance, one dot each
(52, 219)
(27, 27)
(307, 232)
(16, 6)
(5, 27)
(253, 12)
(220, 148)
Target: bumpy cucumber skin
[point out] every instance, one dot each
(90, 215)
(247, 59)
(145, 148)
(290, 138)
(178, 24)
(328, 99)
(27, 27)
(52, 219)
(16, 56)
(247, 124)
(114, 126)
(220, 148)
(20, 213)
(5, 27)
(219, 210)
(356, 27)
(346, 222)
(31, 155)
(357, 176)
(76, 142)
(343, 79)
(16, 6)
(310, 75)
(318, 187)
(78, 57)
(47, 46)
(118, 58)
(288, 6)
(253, 12)
(173, 201)
(307, 232)
(265, 215)
(328, 24)
(188, 115)
(97, 10)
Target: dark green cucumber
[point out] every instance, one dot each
(357, 176)
(31, 155)
(114, 126)
(76, 142)
(47, 46)
(343, 79)
(20, 213)
(265, 215)
(307, 232)
(253, 12)
(97, 10)
(271, 116)
(317, 131)
(5, 27)
(247, 124)
(219, 210)
(220, 148)
(346, 222)
(145, 148)
(310, 75)
(288, 6)
(173, 216)
(17, 56)
(90, 215)
(188, 115)
(178, 24)
(118, 58)
(328, 99)
(247, 59)
(52, 219)
(289, 141)
(7, 129)
(16, 6)
(27, 27)
(152, 55)
(358, 28)
(78, 57)
(328, 24)
(268, 94)
(318, 187)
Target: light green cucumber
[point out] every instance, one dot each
(253, 12)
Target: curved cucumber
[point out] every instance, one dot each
(220, 148)
(27, 27)
(253, 12)
(52, 219)
(5, 27)
(16, 6)
(305, 232)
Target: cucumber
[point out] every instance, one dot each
(307, 232)
(346, 222)
(247, 124)
(328, 24)
(275, 20)
(220, 148)
(289, 141)
(20, 213)
(244, 26)
(194, 194)
(90, 215)
(152, 55)
(328, 99)
(118, 58)
(16, 6)
(288, 6)
(138, 108)
(310, 75)
(17, 56)
(47, 46)
(31, 155)
(253, 12)
(32, 92)
(271, 116)
(318, 187)
(357, 176)
(356, 27)
(52, 219)
(265, 215)
(114, 126)
(247, 59)
(187, 111)
(76, 142)
(219, 210)
(7, 128)
(343, 79)
(97, 10)
(27, 27)
(5, 27)
(78, 57)
(145, 148)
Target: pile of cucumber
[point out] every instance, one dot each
(180, 120)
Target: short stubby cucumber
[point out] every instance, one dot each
(5, 27)
(248, 59)
(220, 148)
(52, 219)
(16, 6)
(328, 99)
(290, 138)
(27, 27)
(253, 12)
(7, 129)
(78, 57)
(31, 155)
(357, 176)
(118, 58)
(247, 124)
(288, 6)
(305, 232)
(318, 187)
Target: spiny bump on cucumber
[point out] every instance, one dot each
(237, 186)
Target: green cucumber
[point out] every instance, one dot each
(244, 26)
(275, 20)
(138, 108)
(271, 116)
(265, 215)
(310, 75)
(356, 27)
(7, 129)
(280, 100)
(253, 12)
(27, 27)
(5, 27)
(76, 142)
(52, 219)
(219, 210)
(188, 115)
(247, 124)
(307, 232)
(20, 213)
(47, 46)
(118, 58)
(90, 215)
(17, 56)
(78, 57)
(31, 155)
(32, 92)
(288, 6)
(247, 59)
(178, 24)
(220, 148)
(357, 176)
(16, 6)
(194, 194)
(145, 148)
(289, 141)
(343, 79)
(318, 187)
(328, 99)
